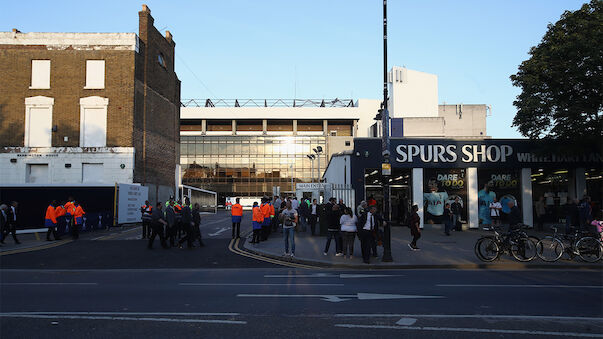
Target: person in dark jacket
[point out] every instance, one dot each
(170, 218)
(196, 213)
(11, 225)
(448, 219)
(456, 208)
(514, 215)
(415, 227)
(157, 224)
(3, 221)
(333, 230)
(187, 225)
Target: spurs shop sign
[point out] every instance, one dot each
(485, 153)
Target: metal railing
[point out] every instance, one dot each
(267, 102)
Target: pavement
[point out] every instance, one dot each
(436, 251)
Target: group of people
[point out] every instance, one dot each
(344, 224)
(179, 223)
(69, 213)
(8, 221)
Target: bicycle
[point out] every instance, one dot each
(516, 242)
(552, 248)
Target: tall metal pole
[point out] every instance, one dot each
(318, 170)
(387, 238)
(312, 161)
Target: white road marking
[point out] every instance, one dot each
(47, 283)
(214, 222)
(406, 321)
(243, 284)
(185, 314)
(220, 231)
(330, 275)
(41, 316)
(338, 298)
(515, 286)
(475, 316)
(474, 330)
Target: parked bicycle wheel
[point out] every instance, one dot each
(589, 249)
(523, 249)
(486, 249)
(549, 249)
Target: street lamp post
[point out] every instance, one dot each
(318, 150)
(387, 248)
(312, 157)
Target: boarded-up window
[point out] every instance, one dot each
(92, 172)
(95, 74)
(37, 173)
(40, 74)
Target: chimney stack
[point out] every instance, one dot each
(146, 8)
(16, 30)
(168, 36)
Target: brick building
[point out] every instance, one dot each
(89, 109)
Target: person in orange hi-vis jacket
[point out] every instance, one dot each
(78, 215)
(59, 213)
(50, 221)
(257, 220)
(237, 215)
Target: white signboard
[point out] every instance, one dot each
(129, 200)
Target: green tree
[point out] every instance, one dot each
(562, 81)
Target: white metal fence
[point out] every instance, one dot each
(345, 192)
(207, 200)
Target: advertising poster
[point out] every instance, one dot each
(442, 186)
(502, 185)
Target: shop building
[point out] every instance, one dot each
(430, 172)
(88, 110)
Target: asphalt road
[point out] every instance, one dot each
(110, 285)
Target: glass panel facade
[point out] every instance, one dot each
(248, 166)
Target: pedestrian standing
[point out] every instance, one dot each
(348, 229)
(79, 220)
(257, 218)
(313, 216)
(60, 214)
(333, 231)
(495, 208)
(447, 219)
(12, 221)
(361, 209)
(157, 224)
(170, 218)
(514, 215)
(187, 225)
(69, 212)
(236, 216)
(415, 230)
(50, 221)
(540, 209)
(366, 222)
(3, 221)
(456, 209)
(146, 211)
(265, 208)
(290, 218)
(304, 212)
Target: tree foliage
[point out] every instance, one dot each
(562, 81)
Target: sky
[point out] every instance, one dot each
(313, 49)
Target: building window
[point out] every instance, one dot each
(161, 60)
(219, 125)
(40, 74)
(38, 121)
(95, 74)
(93, 121)
(37, 174)
(92, 172)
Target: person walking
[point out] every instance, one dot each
(495, 208)
(289, 218)
(187, 225)
(447, 219)
(366, 222)
(456, 209)
(11, 225)
(237, 214)
(146, 211)
(50, 221)
(333, 229)
(78, 216)
(3, 221)
(348, 228)
(157, 224)
(257, 218)
(415, 229)
(170, 218)
(196, 214)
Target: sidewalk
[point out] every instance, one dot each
(437, 251)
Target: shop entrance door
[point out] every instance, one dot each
(400, 205)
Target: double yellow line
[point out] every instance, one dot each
(233, 246)
(36, 248)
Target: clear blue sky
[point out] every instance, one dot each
(259, 49)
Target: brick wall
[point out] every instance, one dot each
(67, 81)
